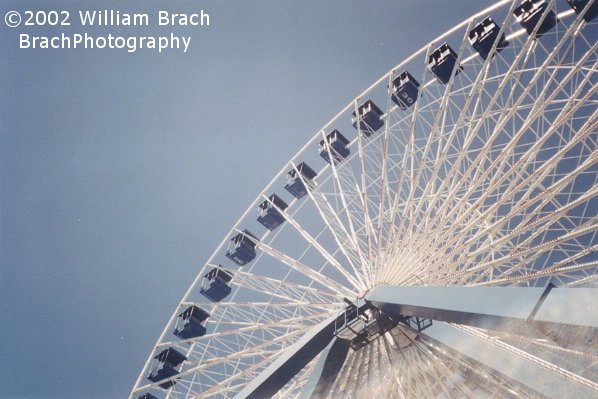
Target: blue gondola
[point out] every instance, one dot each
(579, 5)
(369, 118)
(190, 322)
(171, 356)
(483, 36)
(268, 215)
(338, 147)
(294, 185)
(529, 13)
(162, 372)
(404, 90)
(442, 62)
(147, 396)
(216, 284)
(166, 364)
(242, 249)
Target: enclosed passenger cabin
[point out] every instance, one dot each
(529, 14)
(170, 356)
(147, 396)
(579, 5)
(442, 62)
(404, 90)
(338, 146)
(294, 183)
(483, 36)
(369, 118)
(189, 324)
(161, 372)
(269, 215)
(216, 284)
(165, 367)
(242, 249)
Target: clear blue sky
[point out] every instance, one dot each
(121, 172)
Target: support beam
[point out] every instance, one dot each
(290, 362)
(326, 371)
(509, 308)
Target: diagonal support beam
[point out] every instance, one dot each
(290, 362)
(326, 371)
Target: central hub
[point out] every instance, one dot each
(361, 323)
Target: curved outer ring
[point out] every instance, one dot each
(311, 142)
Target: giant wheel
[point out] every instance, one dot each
(395, 253)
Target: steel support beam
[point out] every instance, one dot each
(326, 370)
(290, 362)
(493, 307)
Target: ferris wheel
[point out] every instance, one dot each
(437, 238)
